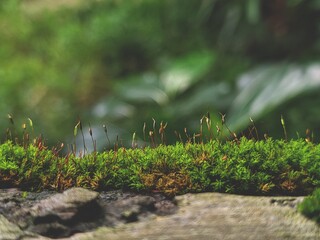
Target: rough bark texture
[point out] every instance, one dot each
(199, 216)
(220, 216)
(60, 215)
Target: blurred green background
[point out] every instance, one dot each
(123, 62)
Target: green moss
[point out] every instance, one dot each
(310, 206)
(245, 166)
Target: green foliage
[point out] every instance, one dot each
(105, 59)
(244, 166)
(80, 54)
(268, 91)
(310, 207)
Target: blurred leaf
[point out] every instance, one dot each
(265, 88)
(253, 11)
(141, 89)
(186, 71)
(112, 108)
(181, 74)
(211, 96)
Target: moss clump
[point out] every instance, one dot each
(265, 167)
(310, 207)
